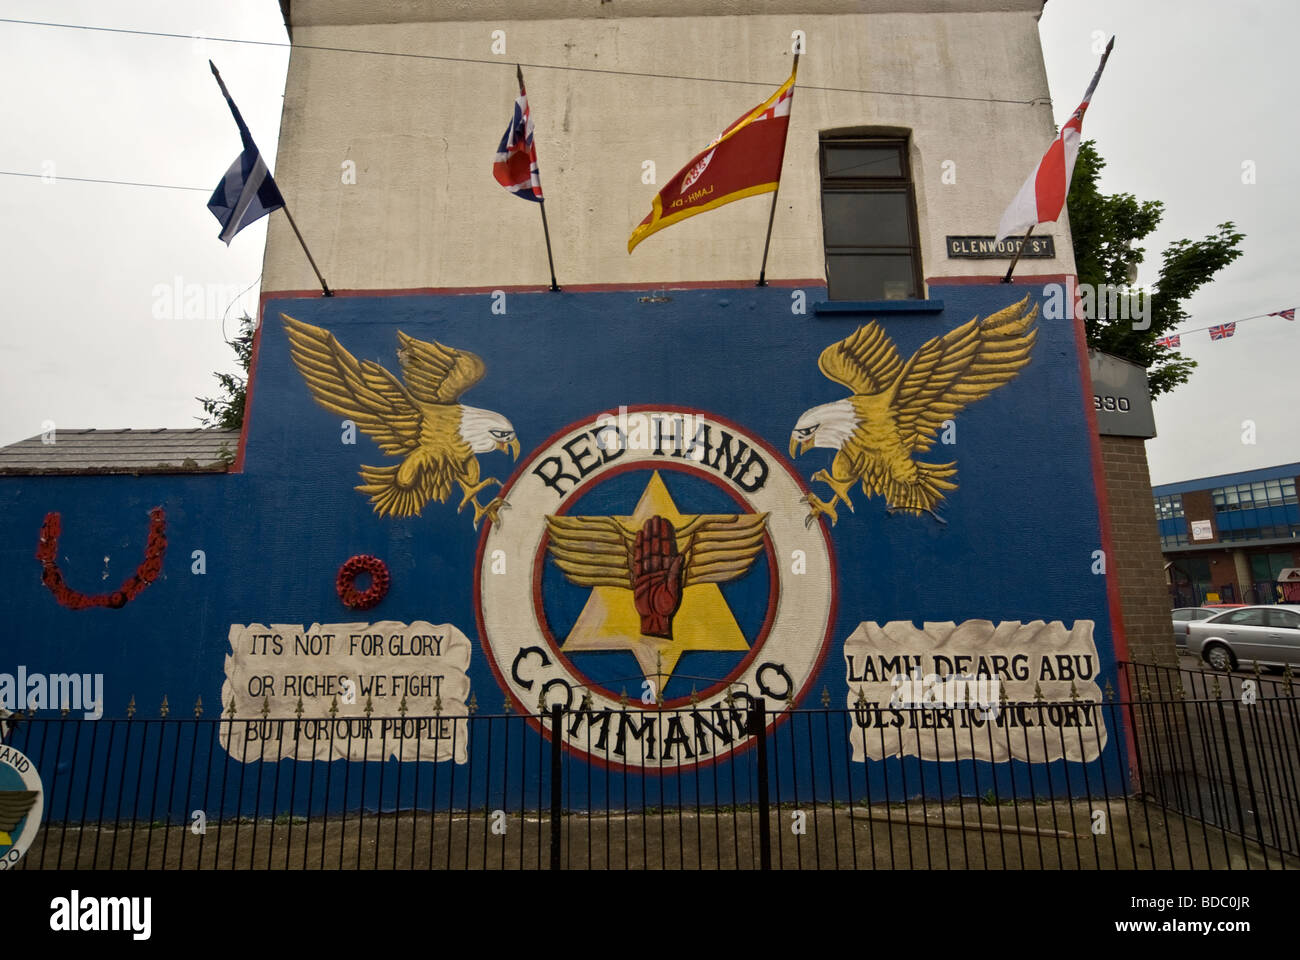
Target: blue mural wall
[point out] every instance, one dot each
(1015, 540)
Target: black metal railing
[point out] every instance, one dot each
(1177, 769)
(1222, 748)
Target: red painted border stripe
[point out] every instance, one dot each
(1119, 641)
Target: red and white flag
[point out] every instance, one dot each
(1042, 198)
(1170, 342)
(1223, 331)
(1287, 314)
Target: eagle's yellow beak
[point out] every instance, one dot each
(797, 448)
(511, 445)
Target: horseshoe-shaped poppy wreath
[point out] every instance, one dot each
(47, 551)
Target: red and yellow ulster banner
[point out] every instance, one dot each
(744, 161)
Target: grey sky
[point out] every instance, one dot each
(1194, 89)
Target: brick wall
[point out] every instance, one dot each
(1199, 505)
(1223, 574)
(1136, 561)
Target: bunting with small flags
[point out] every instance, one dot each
(1220, 331)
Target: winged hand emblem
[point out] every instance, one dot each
(896, 408)
(418, 418)
(656, 562)
(14, 806)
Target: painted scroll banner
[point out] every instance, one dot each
(346, 690)
(975, 690)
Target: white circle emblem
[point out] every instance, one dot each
(655, 576)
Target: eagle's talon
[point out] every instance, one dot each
(472, 491)
(819, 508)
(491, 511)
(841, 489)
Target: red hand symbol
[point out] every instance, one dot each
(656, 577)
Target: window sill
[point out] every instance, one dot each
(849, 307)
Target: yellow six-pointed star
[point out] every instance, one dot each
(606, 554)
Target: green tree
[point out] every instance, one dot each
(227, 410)
(1107, 229)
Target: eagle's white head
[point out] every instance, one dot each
(486, 430)
(828, 425)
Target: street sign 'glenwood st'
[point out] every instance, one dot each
(984, 248)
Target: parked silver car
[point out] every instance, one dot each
(1269, 636)
(1185, 615)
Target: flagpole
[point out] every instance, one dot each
(546, 230)
(541, 201)
(771, 216)
(1016, 258)
(327, 292)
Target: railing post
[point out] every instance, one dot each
(557, 749)
(1232, 771)
(758, 728)
(1250, 785)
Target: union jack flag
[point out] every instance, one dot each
(1170, 342)
(1288, 314)
(515, 164)
(1223, 331)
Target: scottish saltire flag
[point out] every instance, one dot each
(743, 161)
(247, 192)
(1170, 342)
(1223, 331)
(1042, 197)
(1288, 314)
(515, 164)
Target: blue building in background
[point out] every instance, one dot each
(1234, 536)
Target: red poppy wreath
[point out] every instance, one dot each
(346, 584)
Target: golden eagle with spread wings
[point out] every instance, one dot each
(419, 420)
(14, 805)
(656, 562)
(897, 408)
